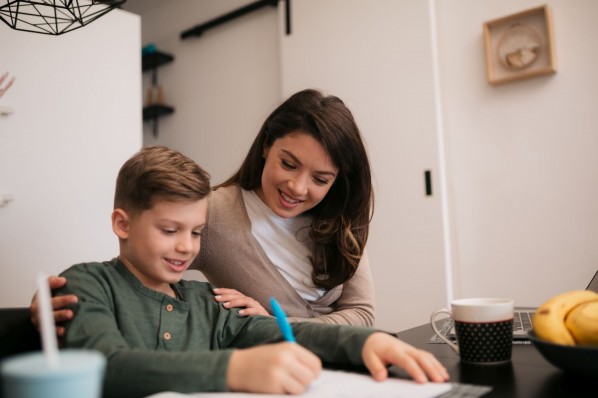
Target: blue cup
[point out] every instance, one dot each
(79, 374)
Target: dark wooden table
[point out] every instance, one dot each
(528, 375)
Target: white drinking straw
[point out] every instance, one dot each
(49, 342)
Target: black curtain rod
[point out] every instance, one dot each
(199, 29)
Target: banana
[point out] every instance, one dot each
(549, 318)
(582, 322)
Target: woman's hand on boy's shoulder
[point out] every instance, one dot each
(382, 349)
(58, 303)
(231, 298)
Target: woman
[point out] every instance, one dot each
(293, 221)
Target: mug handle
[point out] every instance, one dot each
(444, 338)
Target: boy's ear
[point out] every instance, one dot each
(120, 223)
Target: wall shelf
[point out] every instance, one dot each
(152, 112)
(151, 62)
(155, 60)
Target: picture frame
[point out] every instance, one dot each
(520, 46)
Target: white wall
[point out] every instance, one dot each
(77, 118)
(523, 157)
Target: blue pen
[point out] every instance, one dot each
(283, 322)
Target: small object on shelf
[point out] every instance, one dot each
(148, 49)
(155, 95)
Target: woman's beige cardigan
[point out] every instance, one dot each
(231, 257)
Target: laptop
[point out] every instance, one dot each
(522, 320)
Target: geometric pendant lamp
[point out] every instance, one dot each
(53, 17)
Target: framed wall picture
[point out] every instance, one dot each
(520, 46)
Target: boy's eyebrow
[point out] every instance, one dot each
(175, 222)
(296, 160)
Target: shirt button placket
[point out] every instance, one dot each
(166, 335)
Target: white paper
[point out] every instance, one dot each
(343, 384)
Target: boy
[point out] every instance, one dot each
(160, 333)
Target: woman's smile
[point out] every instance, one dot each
(287, 200)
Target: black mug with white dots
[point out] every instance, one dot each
(484, 329)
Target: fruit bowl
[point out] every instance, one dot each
(582, 360)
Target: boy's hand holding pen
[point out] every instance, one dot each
(285, 368)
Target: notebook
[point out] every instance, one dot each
(522, 320)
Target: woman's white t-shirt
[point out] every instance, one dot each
(286, 243)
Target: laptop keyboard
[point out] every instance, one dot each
(522, 322)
